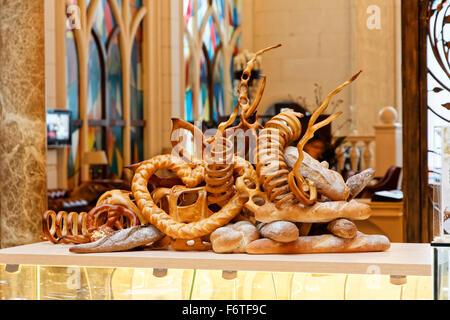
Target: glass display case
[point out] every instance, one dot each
(441, 258)
(441, 215)
(45, 271)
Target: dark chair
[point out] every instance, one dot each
(387, 183)
(84, 197)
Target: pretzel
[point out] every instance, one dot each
(123, 198)
(117, 218)
(178, 203)
(191, 178)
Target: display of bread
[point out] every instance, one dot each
(259, 197)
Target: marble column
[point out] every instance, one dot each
(22, 121)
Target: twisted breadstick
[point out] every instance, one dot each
(304, 189)
(191, 178)
(57, 225)
(219, 172)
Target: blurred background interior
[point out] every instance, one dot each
(107, 76)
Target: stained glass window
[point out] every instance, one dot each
(73, 165)
(211, 28)
(105, 92)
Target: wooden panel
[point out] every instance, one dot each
(414, 121)
(401, 258)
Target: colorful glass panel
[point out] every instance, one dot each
(213, 19)
(73, 165)
(104, 23)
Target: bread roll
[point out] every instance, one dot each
(282, 231)
(321, 244)
(342, 228)
(233, 238)
(318, 213)
(328, 182)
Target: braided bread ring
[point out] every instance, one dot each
(191, 178)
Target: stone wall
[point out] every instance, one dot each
(326, 42)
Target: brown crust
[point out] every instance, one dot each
(318, 213)
(321, 244)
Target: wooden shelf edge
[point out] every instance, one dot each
(401, 259)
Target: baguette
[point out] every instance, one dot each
(326, 243)
(358, 182)
(328, 182)
(121, 240)
(320, 212)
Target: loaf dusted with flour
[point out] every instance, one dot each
(318, 213)
(282, 231)
(358, 182)
(326, 243)
(121, 240)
